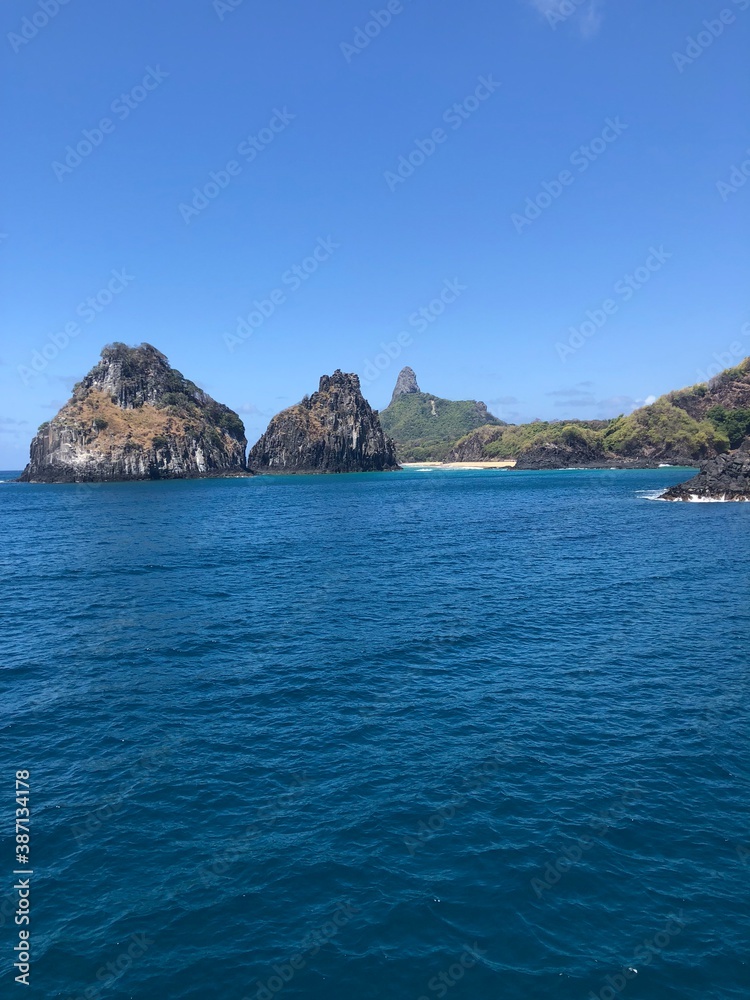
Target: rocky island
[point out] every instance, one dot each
(726, 478)
(135, 417)
(334, 430)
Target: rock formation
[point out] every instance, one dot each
(726, 477)
(405, 383)
(424, 426)
(476, 446)
(729, 390)
(334, 430)
(565, 455)
(135, 417)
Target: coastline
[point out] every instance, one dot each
(511, 464)
(498, 464)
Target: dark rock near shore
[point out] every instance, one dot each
(726, 477)
(135, 417)
(334, 430)
(562, 455)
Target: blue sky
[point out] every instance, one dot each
(468, 185)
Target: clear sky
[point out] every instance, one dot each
(117, 114)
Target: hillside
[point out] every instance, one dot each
(425, 427)
(683, 427)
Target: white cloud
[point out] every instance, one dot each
(576, 399)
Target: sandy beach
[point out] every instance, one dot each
(497, 464)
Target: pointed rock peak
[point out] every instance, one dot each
(339, 380)
(405, 383)
(333, 430)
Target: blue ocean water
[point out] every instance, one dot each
(471, 734)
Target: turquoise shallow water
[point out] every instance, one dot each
(423, 734)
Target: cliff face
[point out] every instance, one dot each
(726, 477)
(135, 417)
(334, 430)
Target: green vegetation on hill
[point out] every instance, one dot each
(734, 423)
(509, 442)
(663, 427)
(425, 427)
(685, 426)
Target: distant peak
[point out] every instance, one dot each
(405, 383)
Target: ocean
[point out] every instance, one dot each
(426, 734)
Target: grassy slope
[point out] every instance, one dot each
(696, 422)
(425, 427)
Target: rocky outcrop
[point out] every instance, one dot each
(406, 383)
(334, 430)
(425, 427)
(726, 477)
(729, 390)
(135, 417)
(565, 455)
(473, 447)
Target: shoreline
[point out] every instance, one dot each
(497, 464)
(511, 464)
